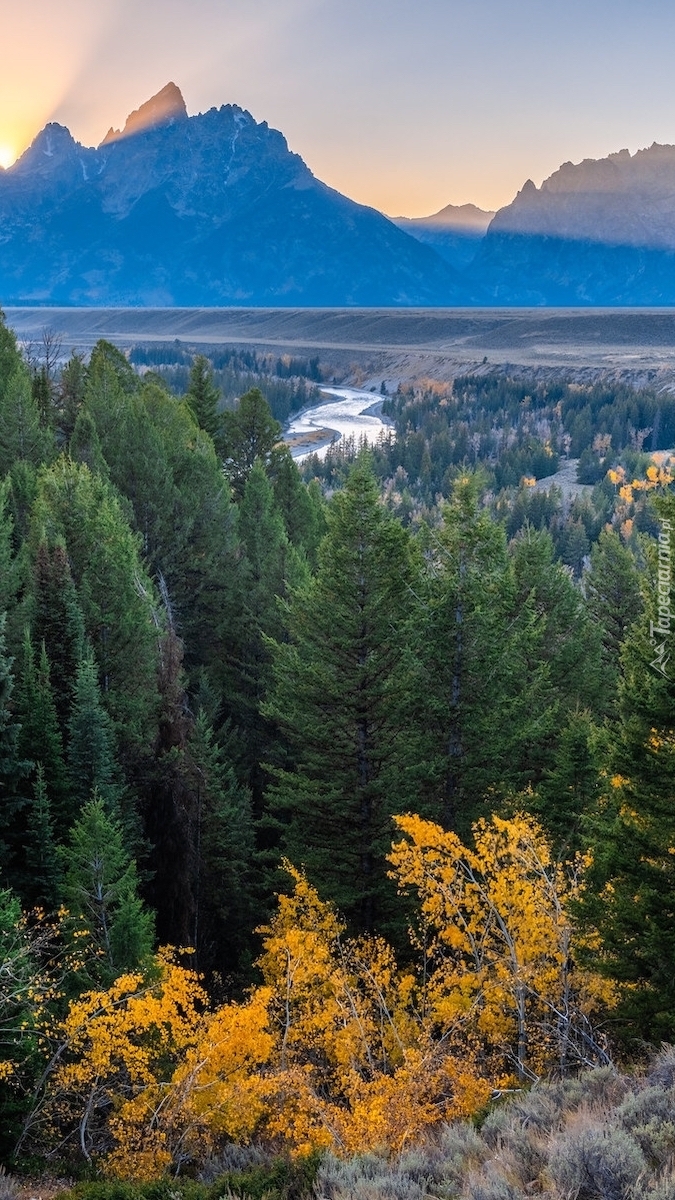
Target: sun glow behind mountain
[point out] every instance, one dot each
(8, 155)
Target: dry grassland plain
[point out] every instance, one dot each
(366, 345)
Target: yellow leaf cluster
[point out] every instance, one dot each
(338, 1047)
(501, 935)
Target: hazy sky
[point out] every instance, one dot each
(404, 105)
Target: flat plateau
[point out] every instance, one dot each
(631, 345)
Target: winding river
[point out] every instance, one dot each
(351, 412)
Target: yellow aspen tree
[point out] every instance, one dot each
(334, 1049)
(364, 1071)
(500, 940)
(117, 1054)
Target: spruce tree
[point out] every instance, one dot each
(21, 433)
(13, 768)
(226, 889)
(482, 700)
(40, 740)
(270, 565)
(575, 546)
(100, 889)
(42, 879)
(72, 386)
(340, 686)
(91, 746)
(168, 473)
(57, 623)
(199, 826)
(570, 787)
(23, 491)
(140, 451)
(85, 445)
(10, 358)
(41, 386)
(612, 589)
(250, 432)
(569, 640)
(9, 582)
(301, 507)
(203, 397)
(116, 596)
(170, 805)
(106, 358)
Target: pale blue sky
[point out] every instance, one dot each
(407, 106)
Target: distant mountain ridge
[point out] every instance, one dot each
(206, 210)
(455, 232)
(598, 232)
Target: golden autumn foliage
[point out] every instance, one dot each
(118, 1050)
(337, 1047)
(498, 938)
(658, 475)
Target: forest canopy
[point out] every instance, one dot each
(333, 803)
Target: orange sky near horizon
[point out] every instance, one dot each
(404, 105)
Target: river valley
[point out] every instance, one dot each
(350, 413)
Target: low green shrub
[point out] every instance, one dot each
(279, 1178)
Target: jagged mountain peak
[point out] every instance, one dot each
(166, 106)
(203, 210)
(52, 148)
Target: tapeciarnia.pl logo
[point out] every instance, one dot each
(660, 630)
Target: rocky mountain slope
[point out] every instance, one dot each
(455, 232)
(598, 232)
(206, 210)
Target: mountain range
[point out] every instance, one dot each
(215, 209)
(206, 210)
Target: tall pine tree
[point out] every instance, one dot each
(203, 397)
(271, 564)
(57, 622)
(22, 436)
(249, 433)
(482, 700)
(92, 765)
(13, 768)
(612, 589)
(41, 742)
(340, 684)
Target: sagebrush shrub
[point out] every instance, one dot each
(453, 1152)
(601, 1086)
(662, 1071)
(588, 1162)
(662, 1189)
(367, 1177)
(540, 1109)
(232, 1157)
(649, 1115)
(491, 1184)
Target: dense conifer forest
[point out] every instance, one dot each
(335, 803)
